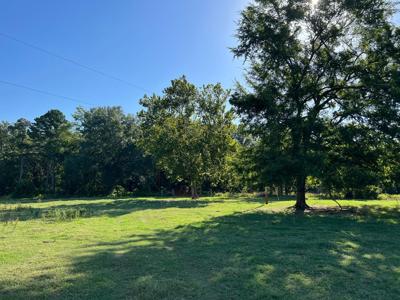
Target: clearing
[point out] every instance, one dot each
(212, 248)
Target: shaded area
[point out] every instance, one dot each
(112, 209)
(254, 255)
(94, 199)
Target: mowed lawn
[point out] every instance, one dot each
(213, 248)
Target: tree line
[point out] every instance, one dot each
(179, 143)
(320, 112)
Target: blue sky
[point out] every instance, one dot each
(145, 42)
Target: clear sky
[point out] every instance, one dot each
(145, 42)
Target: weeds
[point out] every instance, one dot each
(10, 215)
(65, 214)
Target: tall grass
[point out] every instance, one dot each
(13, 214)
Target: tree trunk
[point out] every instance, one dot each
(287, 191)
(47, 178)
(271, 190)
(266, 195)
(21, 169)
(53, 180)
(301, 193)
(194, 191)
(280, 190)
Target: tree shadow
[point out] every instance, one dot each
(11, 201)
(34, 200)
(261, 199)
(254, 255)
(110, 208)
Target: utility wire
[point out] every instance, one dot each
(74, 62)
(43, 92)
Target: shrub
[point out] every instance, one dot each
(118, 191)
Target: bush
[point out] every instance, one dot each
(39, 197)
(118, 191)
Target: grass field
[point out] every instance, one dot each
(213, 248)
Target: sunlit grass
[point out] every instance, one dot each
(212, 248)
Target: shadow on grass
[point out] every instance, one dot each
(260, 198)
(21, 210)
(243, 256)
(11, 201)
(112, 208)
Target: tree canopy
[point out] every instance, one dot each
(313, 67)
(188, 131)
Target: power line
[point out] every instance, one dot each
(43, 92)
(50, 53)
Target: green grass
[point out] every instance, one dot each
(213, 248)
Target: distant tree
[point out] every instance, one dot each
(308, 67)
(50, 135)
(21, 145)
(6, 181)
(5, 136)
(352, 163)
(108, 152)
(188, 131)
(390, 162)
